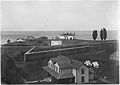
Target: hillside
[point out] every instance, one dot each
(26, 69)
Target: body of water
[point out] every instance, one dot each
(84, 35)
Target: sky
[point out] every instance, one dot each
(59, 15)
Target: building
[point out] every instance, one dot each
(20, 40)
(95, 64)
(62, 69)
(88, 63)
(43, 38)
(68, 36)
(82, 73)
(55, 42)
(30, 38)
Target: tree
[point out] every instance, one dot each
(101, 34)
(9, 71)
(94, 35)
(8, 41)
(105, 33)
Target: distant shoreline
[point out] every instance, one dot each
(82, 35)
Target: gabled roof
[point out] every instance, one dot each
(64, 64)
(62, 61)
(76, 64)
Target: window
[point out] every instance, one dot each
(82, 79)
(82, 71)
(56, 69)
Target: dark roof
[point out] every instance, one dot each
(62, 61)
(56, 75)
(64, 64)
(76, 64)
(91, 70)
(67, 34)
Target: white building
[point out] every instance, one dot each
(88, 63)
(68, 36)
(95, 64)
(56, 42)
(20, 40)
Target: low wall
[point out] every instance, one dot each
(43, 54)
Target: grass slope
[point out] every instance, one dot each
(33, 70)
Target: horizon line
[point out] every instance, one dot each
(58, 30)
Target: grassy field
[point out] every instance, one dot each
(13, 51)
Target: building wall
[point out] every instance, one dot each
(85, 75)
(62, 81)
(91, 76)
(54, 67)
(70, 37)
(66, 37)
(66, 81)
(74, 73)
(58, 71)
(61, 37)
(50, 64)
(39, 55)
(66, 71)
(56, 42)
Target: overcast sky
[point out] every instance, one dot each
(59, 15)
